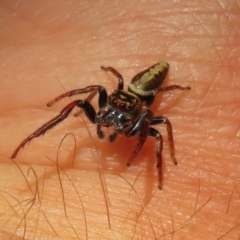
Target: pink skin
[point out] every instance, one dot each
(48, 47)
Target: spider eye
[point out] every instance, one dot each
(114, 102)
(122, 106)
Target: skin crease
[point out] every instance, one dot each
(48, 48)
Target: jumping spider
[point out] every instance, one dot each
(125, 111)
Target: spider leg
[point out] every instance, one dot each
(100, 132)
(89, 99)
(87, 108)
(154, 133)
(164, 120)
(173, 87)
(115, 73)
(75, 92)
(141, 127)
(112, 137)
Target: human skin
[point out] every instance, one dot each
(49, 48)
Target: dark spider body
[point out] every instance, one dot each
(124, 111)
(121, 109)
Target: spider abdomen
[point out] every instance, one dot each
(147, 83)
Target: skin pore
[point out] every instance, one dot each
(48, 48)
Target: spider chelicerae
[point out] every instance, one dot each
(125, 111)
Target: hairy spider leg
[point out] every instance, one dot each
(164, 120)
(158, 136)
(115, 73)
(173, 87)
(155, 133)
(120, 87)
(112, 137)
(83, 104)
(140, 127)
(89, 99)
(47, 126)
(75, 92)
